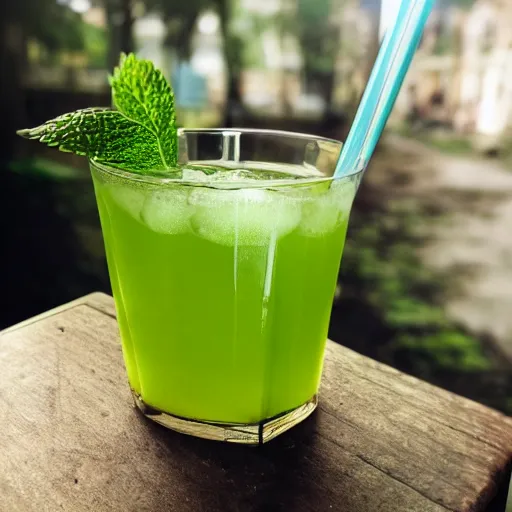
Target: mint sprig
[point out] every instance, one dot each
(143, 95)
(141, 135)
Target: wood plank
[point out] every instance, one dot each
(381, 441)
(99, 301)
(453, 468)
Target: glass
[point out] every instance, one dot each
(224, 287)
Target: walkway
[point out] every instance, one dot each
(475, 235)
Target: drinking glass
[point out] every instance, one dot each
(223, 281)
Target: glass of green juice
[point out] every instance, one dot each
(223, 274)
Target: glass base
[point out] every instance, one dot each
(253, 434)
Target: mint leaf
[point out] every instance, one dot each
(142, 94)
(140, 136)
(106, 136)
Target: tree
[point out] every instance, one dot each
(311, 23)
(55, 26)
(319, 41)
(96, 45)
(181, 17)
(233, 50)
(120, 22)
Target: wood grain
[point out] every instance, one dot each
(71, 440)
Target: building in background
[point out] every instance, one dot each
(459, 78)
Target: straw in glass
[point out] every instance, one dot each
(388, 73)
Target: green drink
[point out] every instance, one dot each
(223, 249)
(223, 285)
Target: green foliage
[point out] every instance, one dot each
(60, 28)
(44, 168)
(382, 252)
(445, 141)
(382, 271)
(444, 44)
(317, 36)
(96, 45)
(453, 145)
(180, 18)
(310, 23)
(253, 54)
(53, 25)
(465, 4)
(447, 349)
(140, 136)
(246, 36)
(106, 136)
(141, 92)
(405, 311)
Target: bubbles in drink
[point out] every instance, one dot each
(129, 198)
(244, 217)
(167, 211)
(319, 216)
(324, 212)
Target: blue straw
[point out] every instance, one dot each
(393, 61)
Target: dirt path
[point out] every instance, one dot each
(474, 238)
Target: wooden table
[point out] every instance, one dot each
(381, 441)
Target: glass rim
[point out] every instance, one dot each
(154, 179)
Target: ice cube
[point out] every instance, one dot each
(167, 211)
(322, 214)
(129, 197)
(246, 216)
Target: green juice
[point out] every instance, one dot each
(223, 296)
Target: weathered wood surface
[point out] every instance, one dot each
(381, 441)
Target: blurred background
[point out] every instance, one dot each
(426, 279)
